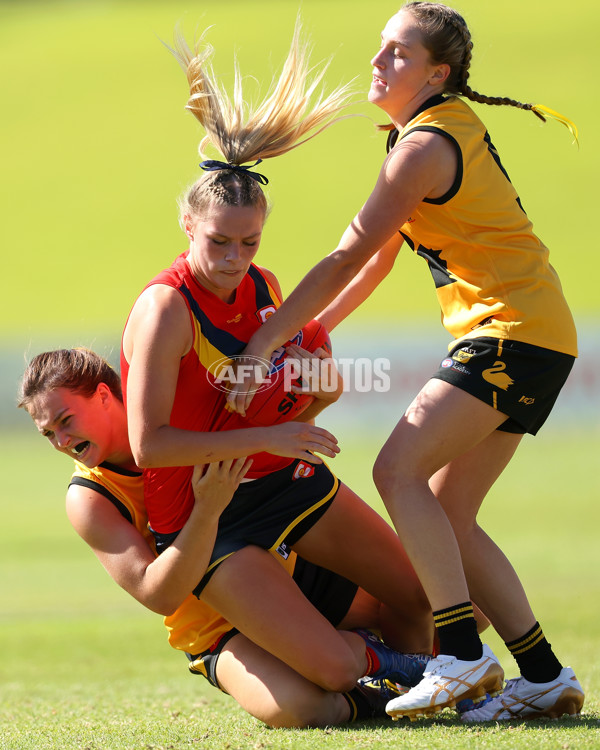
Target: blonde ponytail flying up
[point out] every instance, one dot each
(282, 121)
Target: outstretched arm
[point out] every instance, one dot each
(421, 165)
(362, 285)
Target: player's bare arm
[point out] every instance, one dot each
(159, 583)
(421, 165)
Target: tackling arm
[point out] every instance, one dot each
(159, 583)
(362, 285)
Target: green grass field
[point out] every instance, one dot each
(96, 147)
(84, 666)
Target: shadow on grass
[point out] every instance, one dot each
(589, 720)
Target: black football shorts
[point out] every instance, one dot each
(520, 380)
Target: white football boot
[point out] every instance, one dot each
(447, 680)
(522, 699)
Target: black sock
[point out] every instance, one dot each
(457, 631)
(365, 703)
(534, 656)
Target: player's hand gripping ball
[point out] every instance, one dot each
(273, 403)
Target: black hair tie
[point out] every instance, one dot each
(211, 165)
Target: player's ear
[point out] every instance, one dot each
(440, 74)
(104, 393)
(188, 226)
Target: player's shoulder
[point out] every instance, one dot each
(428, 154)
(160, 303)
(90, 504)
(271, 279)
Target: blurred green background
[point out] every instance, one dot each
(95, 148)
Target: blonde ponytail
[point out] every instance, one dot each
(283, 120)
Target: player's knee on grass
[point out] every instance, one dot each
(306, 709)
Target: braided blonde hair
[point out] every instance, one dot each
(282, 121)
